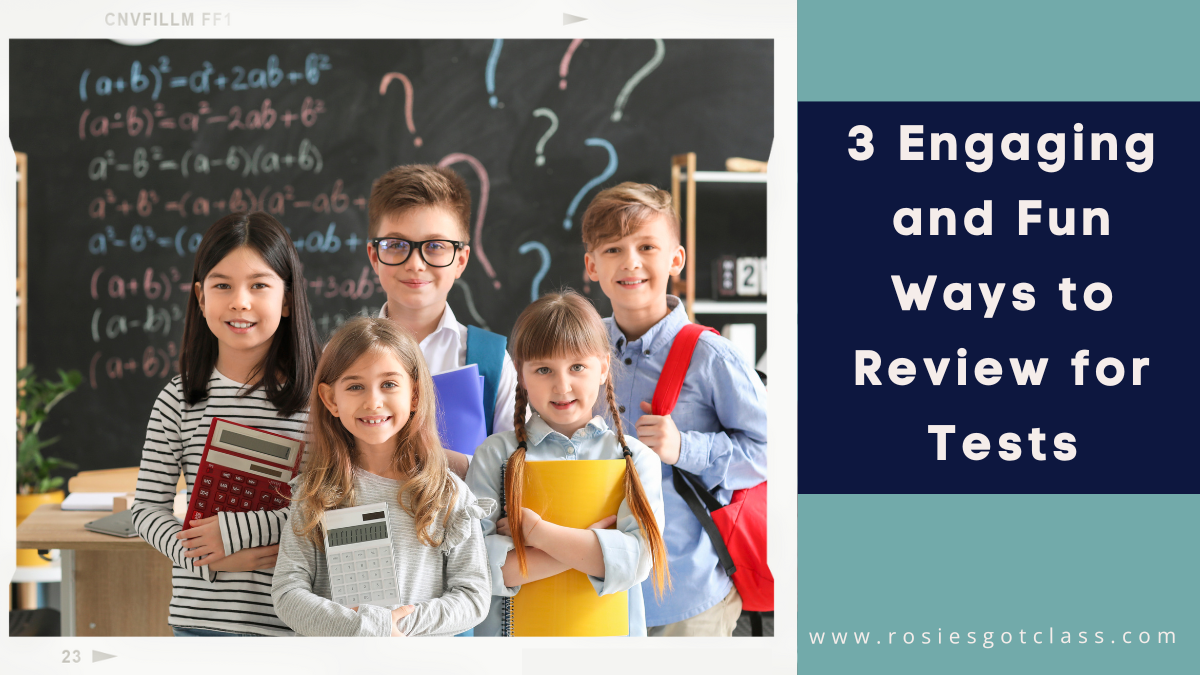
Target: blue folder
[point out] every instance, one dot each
(461, 422)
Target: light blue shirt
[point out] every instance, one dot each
(722, 421)
(626, 555)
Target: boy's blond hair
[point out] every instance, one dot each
(620, 210)
(415, 185)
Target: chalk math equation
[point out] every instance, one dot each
(135, 121)
(158, 75)
(156, 362)
(236, 159)
(335, 200)
(162, 361)
(142, 238)
(139, 298)
(159, 284)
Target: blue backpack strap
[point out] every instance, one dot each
(486, 350)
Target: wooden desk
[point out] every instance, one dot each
(110, 586)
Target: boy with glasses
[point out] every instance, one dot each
(418, 232)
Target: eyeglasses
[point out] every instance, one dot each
(435, 252)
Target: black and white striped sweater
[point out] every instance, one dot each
(236, 602)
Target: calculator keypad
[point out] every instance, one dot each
(224, 489)
(363, 576)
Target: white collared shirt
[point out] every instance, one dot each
(446, 349)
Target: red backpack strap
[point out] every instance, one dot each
(666, 393)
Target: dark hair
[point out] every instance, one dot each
(412, 186)
(287, 371)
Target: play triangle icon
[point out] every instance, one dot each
(101, 656)
(571, 18)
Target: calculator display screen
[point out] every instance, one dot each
(269, 472)
(255, 444)
(357, 534)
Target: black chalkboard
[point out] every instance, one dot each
(135, 151)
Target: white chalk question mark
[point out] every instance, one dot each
(541, 146)
(660, 50)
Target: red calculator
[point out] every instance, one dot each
(243, 469)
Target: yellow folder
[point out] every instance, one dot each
(571, 494)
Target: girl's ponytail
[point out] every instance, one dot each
(635, 496)
(514, 480)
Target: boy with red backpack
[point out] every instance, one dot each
(717, 431)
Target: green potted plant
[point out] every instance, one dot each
(36, 484)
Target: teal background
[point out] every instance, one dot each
(1018, 50)
(1113, 563)
(1107, 563)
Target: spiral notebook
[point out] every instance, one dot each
(572, 494)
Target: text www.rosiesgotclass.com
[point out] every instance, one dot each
(990, 639)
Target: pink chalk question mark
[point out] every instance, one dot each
(566, 62)
(484, 188)
(408, 101)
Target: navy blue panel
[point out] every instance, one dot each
(874, 439)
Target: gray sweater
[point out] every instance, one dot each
(449, 585)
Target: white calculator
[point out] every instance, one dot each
(358, 548)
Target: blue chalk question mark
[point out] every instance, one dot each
(541, 273)
(608, 172)
(490, 73)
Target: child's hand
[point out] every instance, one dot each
(246, 560)
(659, 433)
(529, 521)
(397, 614)
(603, 523)
(204, 539)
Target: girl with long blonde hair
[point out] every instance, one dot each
(373, 438)
(561, 353)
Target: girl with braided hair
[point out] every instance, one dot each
(561, 353)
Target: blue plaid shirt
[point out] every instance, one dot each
(722, 420)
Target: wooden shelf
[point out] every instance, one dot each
(22, 258)
(726, 177)
(684, 177)
(729, 307)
